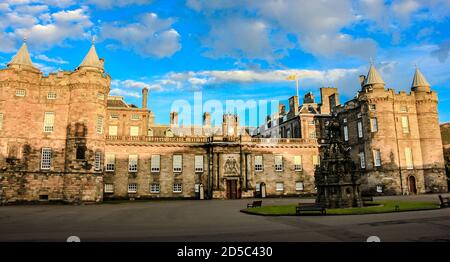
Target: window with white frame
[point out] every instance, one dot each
(98, 161)
(132, 188)
(198, 163)
(197, 188)
(110, 162)
(280, 187)
(405, 124)
(259, 163)
(316, 160)
(112, 130)
(132, 163)
(49, 121)
(21, 92)
(409, 158)
(99, 125)
(373, 125)
(278, 163)
(51, 95)
(177, 163)
(1, 121)
(109, 188)
(299, 186)
(360, 129)
(46, 158)
(177, 187)
(345, 133)
(377, 157)
(258, 187)
(298, 163)
(403, 109)
(362, 160)
(155, 163)
(101, 96)
(134, 131)
(135, 117)
(155, 188)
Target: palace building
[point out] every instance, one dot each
(64, 138)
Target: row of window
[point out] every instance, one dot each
(51, 95)
(154, 188)
(298, 163)
(377, 158)
(279, 186)
(374, 127)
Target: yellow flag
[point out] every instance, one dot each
(292, 77)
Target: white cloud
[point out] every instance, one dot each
(57, 60)
(121, 92)
(150, 37)
(442, 51)
(117, 3)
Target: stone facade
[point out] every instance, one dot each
(63, 138)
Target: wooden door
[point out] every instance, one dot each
(232, 189)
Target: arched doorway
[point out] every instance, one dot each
(412, 185)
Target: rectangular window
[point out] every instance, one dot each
(298, 163)
(405, 124)
(98, 161)
(1, 121)
(197, 188)
(403, 109)
(135, 117)
(132, 188)
(278, 163)
(373, 107)
(311, 122)
(177, 163)
(315, 160)
(377, 157)
(312, 135)
(101, 96)
(20, 92)
(280, 187)
(109, 188)
(155, 163)
(112, 130)
(99, 125)
(110, 162)
(134, 131)
(49, 121)
(362, 160)
(114, 116)
(409, 158)
(258, 187)
(132, 163)
(155, 188)
(360, 129)
(51, 95)
(299, 186)
(373, 125)
(345, 133)
(259, 163)
(46, 158)
(198, 163)
(177, 188)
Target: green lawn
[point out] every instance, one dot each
(376, 207)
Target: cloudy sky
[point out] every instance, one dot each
(236, 49)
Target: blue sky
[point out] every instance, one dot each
(236, 49)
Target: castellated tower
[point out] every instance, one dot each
(430, 136)
(89, 88)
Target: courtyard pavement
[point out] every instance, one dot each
(214, 220)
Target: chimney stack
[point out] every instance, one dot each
(144, 97)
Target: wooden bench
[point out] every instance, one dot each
(257, 203)
(310, 207)
(445, 201)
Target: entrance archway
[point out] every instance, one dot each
(412, 185)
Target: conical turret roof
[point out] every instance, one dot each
(91, 59)
(373, 77)
(22, 58)
(419, 80)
